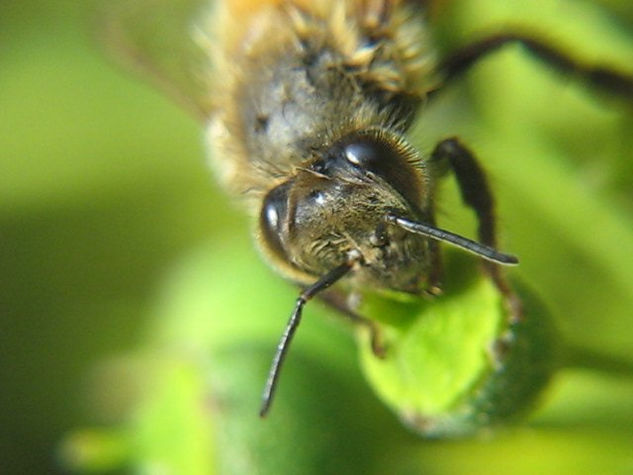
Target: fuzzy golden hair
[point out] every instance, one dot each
(247, 38)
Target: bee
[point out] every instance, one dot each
(306, 107)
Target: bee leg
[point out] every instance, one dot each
(338, 301)
(450, 154)
(595, 76)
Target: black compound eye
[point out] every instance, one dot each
(362, 154)
(352, 154)
(273, 217)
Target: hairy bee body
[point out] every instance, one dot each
(298, 75)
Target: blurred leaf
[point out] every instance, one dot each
(104, 186)
(456, 365)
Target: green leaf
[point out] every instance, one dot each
(456, 364)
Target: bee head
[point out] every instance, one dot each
(336, 206)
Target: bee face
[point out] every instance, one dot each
(336, 207)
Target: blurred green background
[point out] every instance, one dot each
(122, 268)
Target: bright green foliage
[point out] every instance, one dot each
(455, 364)
(114, 242)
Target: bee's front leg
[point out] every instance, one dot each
(451, 155)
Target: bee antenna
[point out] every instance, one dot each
(481, 250)
(291, 327)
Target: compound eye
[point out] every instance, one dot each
(273, 217)
(362, 154)
(386, 158)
